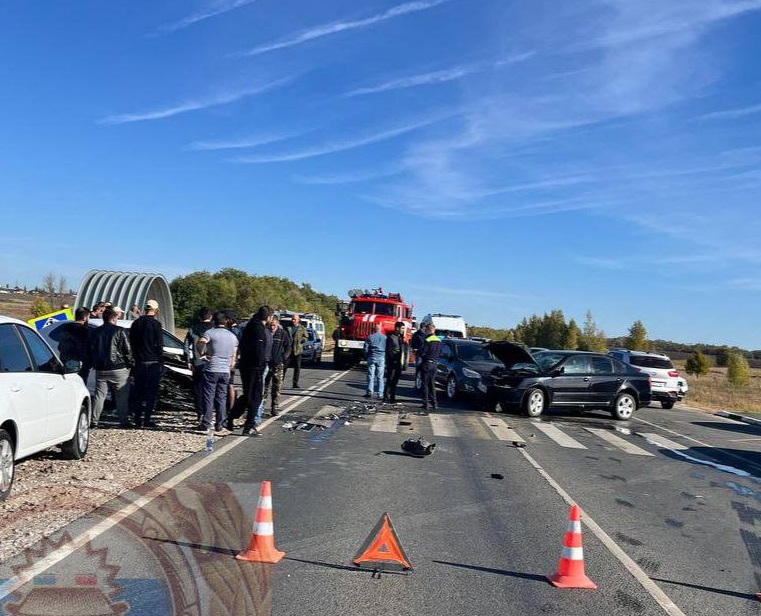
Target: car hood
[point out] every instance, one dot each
(484, 367)
(510, 353)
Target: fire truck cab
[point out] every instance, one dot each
(357, 318)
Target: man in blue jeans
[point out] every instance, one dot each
(218, 347)
(375, 352)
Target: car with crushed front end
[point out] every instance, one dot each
(573, 380)
(43, 403)
(461, 366)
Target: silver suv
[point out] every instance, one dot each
(666, 384)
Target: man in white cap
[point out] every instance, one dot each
(146, 338)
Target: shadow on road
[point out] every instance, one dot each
(718, 591)
(516, 574)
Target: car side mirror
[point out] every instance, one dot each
(71, 366)
(557, 371)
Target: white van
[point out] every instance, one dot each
(449, 325)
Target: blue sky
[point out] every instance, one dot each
(489, 158)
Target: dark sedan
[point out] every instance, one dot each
(564, 379)
(461, 365)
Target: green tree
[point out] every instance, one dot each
(697, 364)
(722, 356)
(592, 338)
(39, 307)
(637, 338)
(572, 336)
(738, 370)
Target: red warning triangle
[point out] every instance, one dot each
(382, 550)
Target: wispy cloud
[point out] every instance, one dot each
(243, 142)
(192, 105)
(351, 177)
(437, 77)
(341, 146)
(732, 114)
(211, 10)
(342, 26)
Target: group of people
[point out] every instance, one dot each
(128, 363)
(263, 351)
(385, 357)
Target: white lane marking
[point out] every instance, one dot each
(442, 425)
(501, 430)
(725, 452)
(557, 435)
(13, 584)
(617, 441)
(669, 607)
(385, 422)
(661, 441)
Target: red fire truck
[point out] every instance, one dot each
(357, 318)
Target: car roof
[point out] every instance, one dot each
(650, 353)
(4, 319)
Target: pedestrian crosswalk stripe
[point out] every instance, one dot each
(662, 441)
(617, 441)
(385, 422)
(443, 425)
(557, 435)
(501, 430)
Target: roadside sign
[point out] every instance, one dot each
(46, 319)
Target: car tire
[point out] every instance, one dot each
(7, 465)
(667, 404)
(76, 448)
(451, 387)
(318, 357)
(534, 402)
(624, 406)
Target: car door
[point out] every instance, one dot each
(26, 400)
(445, 362)
(62, 406)
(571, 386)
(603, 382)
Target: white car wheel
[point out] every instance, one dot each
(7, 465)
(624, 406)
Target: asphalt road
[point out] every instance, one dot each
(670, 502)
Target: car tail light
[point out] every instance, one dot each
(673, 373)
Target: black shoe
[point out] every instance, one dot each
(230, 424)
(126, 425)
(201, 428)
(295, 386)
(367, 396)
(274, 413)
(250, 432)
(150, 424)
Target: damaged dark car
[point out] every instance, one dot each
(573, 380)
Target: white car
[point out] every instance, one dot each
(42, 402)
(667, 386)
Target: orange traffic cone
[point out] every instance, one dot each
(571, 566)
(261, 547)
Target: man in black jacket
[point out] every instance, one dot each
(394, 345)
(112, 359)
(281, 351)
(75, 342)
(147, 339)
(254, 350)
(429, 360)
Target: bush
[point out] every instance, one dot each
(697, 364)
(738, 370)
(39, 307)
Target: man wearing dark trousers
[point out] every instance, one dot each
(429, 359)
(199, 364)
(146, 337)
(394, 344)
(252, 362)
(299, 337)
(281, 352)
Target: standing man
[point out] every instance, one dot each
(429, 359)
(394, 345)
(281, 352)
(416, 344)
(112, 359)
(147, 339)
(75, 342)
(299, 337)
(218, 346)
(252, 362)
(375, 352)
(198, 329)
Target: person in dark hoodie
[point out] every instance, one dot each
(146, 337)
(75, 342)
(252, 361)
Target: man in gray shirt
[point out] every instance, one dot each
(218, 346)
